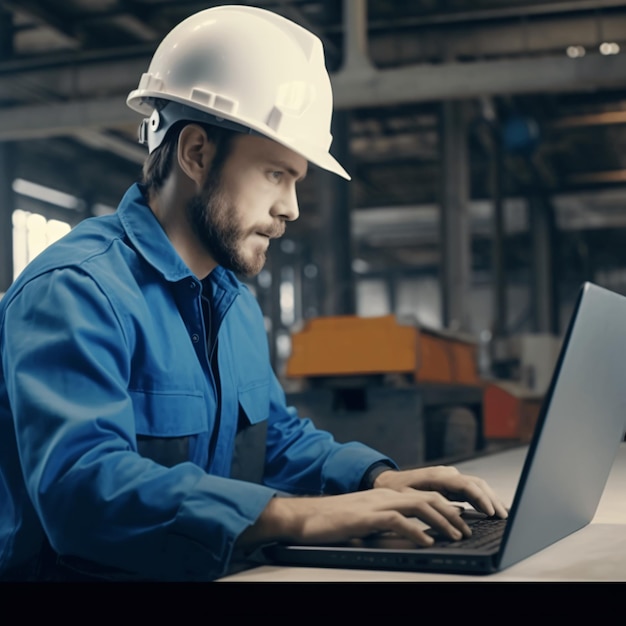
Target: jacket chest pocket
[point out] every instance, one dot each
(250, 443)
(168, 423)
(254, 402)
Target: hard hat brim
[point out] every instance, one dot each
(142, 101)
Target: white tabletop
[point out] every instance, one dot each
(594, 553)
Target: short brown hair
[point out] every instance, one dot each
(158, 165)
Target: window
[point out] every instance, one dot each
(32, 233)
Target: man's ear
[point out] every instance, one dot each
(195, 153)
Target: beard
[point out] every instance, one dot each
(214, 222)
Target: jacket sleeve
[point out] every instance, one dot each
(67, 357)
(303, 459)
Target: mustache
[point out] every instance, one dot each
(273, 230)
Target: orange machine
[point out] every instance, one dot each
(352, 345)
(510, 411)
(412, 393)
(441, 405)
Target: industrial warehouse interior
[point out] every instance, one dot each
(419, 308)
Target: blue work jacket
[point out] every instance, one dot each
(105, 347)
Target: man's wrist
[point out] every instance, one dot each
(276, 523)
(374, 472)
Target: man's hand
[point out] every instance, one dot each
(447, 481)
(399, 499)
(355, 515)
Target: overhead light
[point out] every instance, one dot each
(102, 209)
(360, 266)
(264, 278)
(288, 246)
(575, 52)
(46, 194)
(310, 270)
(609, 47)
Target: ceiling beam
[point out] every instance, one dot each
(422, 83)
(606, 118)
(413, 84)
(40, 14)
(524, 10)
(132, 152)
(614, 176)
(64, 118)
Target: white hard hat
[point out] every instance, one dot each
(245, 68)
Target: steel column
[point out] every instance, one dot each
(500, 304)
(334, 243)
(543, 240)
(455, 233)
(7, 174)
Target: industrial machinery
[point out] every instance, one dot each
(411, 392)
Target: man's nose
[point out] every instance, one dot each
(287, 206)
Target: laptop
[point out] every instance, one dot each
(578, 432)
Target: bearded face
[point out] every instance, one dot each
(245, 202)
(220, 228)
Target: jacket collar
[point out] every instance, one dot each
(148, 237)
(150, 240)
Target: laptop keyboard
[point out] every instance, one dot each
(485, 534)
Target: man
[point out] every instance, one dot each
(143, 434)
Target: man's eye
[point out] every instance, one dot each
(276, 176)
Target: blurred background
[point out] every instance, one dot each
(487, 144)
